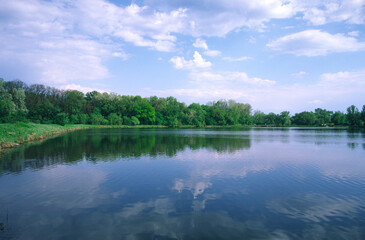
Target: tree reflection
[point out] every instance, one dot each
(111, 145)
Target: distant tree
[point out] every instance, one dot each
(323, 117)
(259, 118)
(61, 119)
(283, 119)
(339, 118)
(145, 112)
(174, 112)
(74, 118)
(15, 84)
(271, 119)
(96, 118)
(172, 121)
(134, 120)
(236, 113)
(195, 115)
(304, 118)
(353, 116)
(73, 101)
(115, 119)
(160, 106)
(84, 118)
(7, 106)
(216, 116)
(363, 115)
(127, 120)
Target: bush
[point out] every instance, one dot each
(134, 120)
(61, 119)
(98, 119)
(74, 119)
(114, 119)
(127, 120)
(84, 118)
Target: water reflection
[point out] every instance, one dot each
(111, 145)
(187, 184)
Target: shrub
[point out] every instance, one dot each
(61, 119)
(127, 120)
(84, 118)
(115, 119)
(98, 119)
(134, 120)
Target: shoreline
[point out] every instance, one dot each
(16, 134)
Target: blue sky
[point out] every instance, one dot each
(276, 55)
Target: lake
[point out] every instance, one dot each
(254, 183)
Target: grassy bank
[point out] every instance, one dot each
(14, 134)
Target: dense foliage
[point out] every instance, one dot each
(41, 104)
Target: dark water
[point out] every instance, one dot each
(186, 184)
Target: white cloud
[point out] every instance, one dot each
(59, 42)
(344, 80)
(319, 12)
(353, 33)
(299, 74)
(219, 17)
(138, 25)
(239, 59)
(212, 53)
(315, 43)
(199, 43)
(227, 79)
(338, 90)
(81, 88)
(197, 62)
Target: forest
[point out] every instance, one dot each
(42, 104)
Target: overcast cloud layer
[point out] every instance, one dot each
(276, 55)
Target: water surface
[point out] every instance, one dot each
(186, 184)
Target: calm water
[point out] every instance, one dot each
(186, 184)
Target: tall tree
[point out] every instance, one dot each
(353, 116)
(7, 107)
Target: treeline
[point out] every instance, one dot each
(41, 104)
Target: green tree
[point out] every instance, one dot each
(363, 115)
(305, 118)
(145, 112)
(115, 119)
(323, 117)
(195, 115)
(259, 118)
(127, 120)
(61, 119)
(284, 119)
(7, 106)
(134, 120)
(271, 119)
(353, 116)
(175, 111)
(73, 101)
(160, 106)
(236, 113)
(339, 119)
(84, 118)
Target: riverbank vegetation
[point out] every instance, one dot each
(41, 104)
